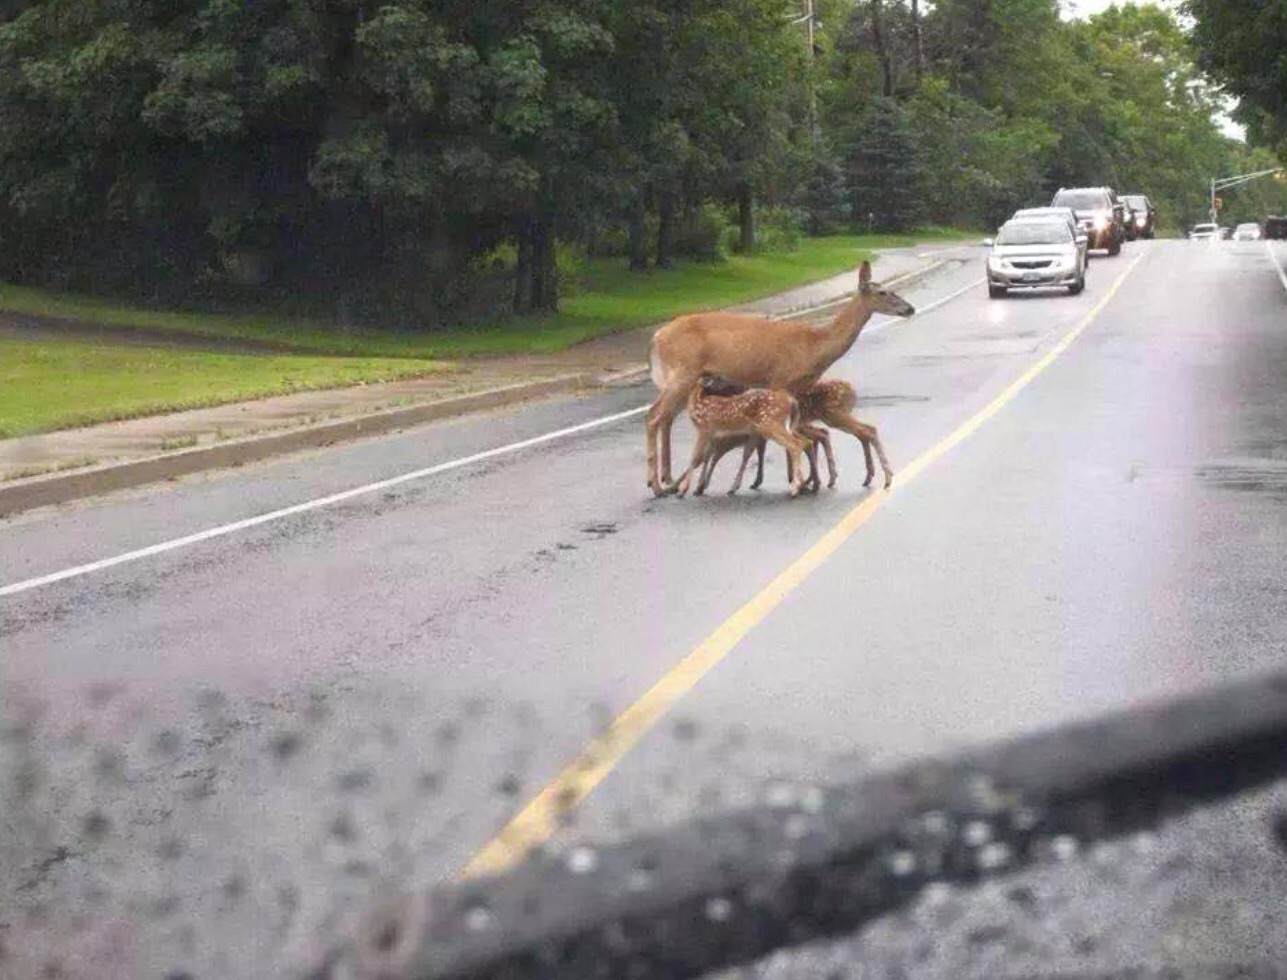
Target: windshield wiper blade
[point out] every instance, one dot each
(715, 893)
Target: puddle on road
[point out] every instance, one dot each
(883, 400)
(1267, 476)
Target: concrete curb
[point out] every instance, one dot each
(17, 496)
(42, 491)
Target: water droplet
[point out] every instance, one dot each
(639, 880)
(976, 833)
(479, 918)
(1144, 843)
(796, 826)
(719, 909)
(1025, 818)
(993, 856)
(937, 894)
(780, 795)
(935, 822)
(812, 800)
(902, 863)
(582, 860)
(1064, 847)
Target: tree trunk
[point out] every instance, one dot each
(545, 281)
(665, 230)
(746, 216)
(523, 269)
(918, 47)
(636, 237)
(882, 54)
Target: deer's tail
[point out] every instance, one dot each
(656, 368)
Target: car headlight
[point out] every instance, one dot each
(1141, 222)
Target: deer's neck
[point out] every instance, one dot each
(838, 336)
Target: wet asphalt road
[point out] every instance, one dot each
(218, 753)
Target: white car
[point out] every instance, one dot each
(1205, 232)
(1248, 232)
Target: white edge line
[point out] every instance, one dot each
(1278, 266)
(308, 505)
(335, 498)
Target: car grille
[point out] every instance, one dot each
(1030, 263)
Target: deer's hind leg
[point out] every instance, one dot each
(870, 439)
(751, 445)
(793, 444)
(699, 455)
(718, 450)
(817, 436)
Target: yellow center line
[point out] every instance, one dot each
(539, 820)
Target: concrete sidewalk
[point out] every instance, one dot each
(55, 466)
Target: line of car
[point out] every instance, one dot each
(1050, 246)
(1248, 231)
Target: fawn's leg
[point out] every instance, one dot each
(869, 438)
(815, 435)
(699, 453)
(760, 446)
(793, 444)
(749, 446)
(719, 449)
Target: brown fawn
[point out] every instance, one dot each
(764, 413)
(831, 402)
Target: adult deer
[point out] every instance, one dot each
(752, 352)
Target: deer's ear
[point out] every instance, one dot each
(864, 276)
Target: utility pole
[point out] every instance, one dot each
(808, 20)
(1226, 182)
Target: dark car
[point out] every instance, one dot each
(1143, 222)
(1100, 215)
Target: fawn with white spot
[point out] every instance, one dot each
(762, 413)
(832, 403)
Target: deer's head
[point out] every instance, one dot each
(880, 300)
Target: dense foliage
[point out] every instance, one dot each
(1241, 43)
(412, 158)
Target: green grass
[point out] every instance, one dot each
(48, 385)
(612, 299)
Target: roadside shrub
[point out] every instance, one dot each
(702, 233)
(779, 229)
(569, 264)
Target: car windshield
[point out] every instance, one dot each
(334, 335)
(1081, 200)
(1034, 233)
(1249, 227)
